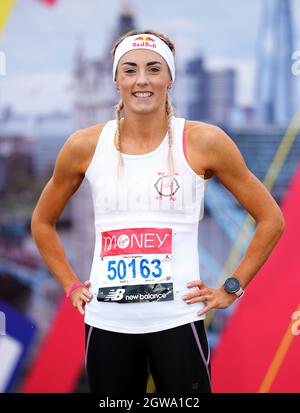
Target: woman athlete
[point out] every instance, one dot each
(144, 304)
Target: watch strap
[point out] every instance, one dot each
(239, 293)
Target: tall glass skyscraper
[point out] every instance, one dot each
(274, 78)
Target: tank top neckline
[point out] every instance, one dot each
(142, 155)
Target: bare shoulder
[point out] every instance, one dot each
(212, 148)
(201, 139)
(83, 142)
(202, 134)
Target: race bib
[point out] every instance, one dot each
(136, 265)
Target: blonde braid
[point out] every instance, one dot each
(170, 112)
(118, 109)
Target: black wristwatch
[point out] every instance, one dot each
(232, 286)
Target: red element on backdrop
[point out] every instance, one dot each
(48, 2)
(60, 361)
(253, 334)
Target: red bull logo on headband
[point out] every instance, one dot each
(144, 40)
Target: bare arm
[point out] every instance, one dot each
(229, 166)
(67, 176)
(227, 163)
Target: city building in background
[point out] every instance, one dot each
(47, 133)
(210, 93)
(275, 88)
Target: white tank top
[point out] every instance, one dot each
(146, 236)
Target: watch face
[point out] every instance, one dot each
(232, 285)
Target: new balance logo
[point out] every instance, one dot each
(115, 295)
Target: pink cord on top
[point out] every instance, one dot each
(184, 143)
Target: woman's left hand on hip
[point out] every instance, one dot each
(213, 297)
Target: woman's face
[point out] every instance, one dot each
(143, 78)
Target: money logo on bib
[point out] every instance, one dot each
(136, 265)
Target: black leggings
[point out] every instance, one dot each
(178, 359)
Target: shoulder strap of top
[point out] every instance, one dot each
(103, 140)
(178, 131)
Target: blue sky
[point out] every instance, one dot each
(39, 42)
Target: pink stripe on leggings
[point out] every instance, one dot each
(206, 362)
(87, 344)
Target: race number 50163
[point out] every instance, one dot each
(122, 269)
